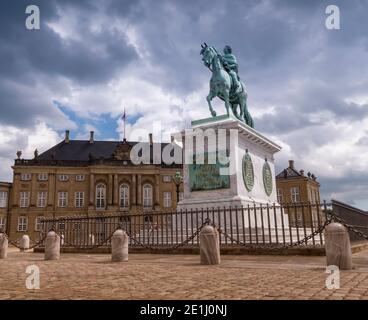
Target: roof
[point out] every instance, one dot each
(289, 173)
(82, 151)
(338, 203)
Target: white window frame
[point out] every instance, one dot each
(22, 224)
(43, 177)
(63, 177)
(100, 196)
(280, 195)
(80, 177)
(2, 223)
(295, 194)
(62, 199)
(38, 223)
(79, 199)
(167, 199)
(24, 199)
(147, 196)
(42, 199)
(124, 193)
(166, 178)
(3, 199)
(25, 176)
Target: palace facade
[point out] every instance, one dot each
(295, 187)
(85, 178)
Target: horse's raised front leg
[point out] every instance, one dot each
(210, 96)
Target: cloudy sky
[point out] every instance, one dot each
(91, 59)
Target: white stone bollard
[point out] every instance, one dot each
(52, 246)
(119, 246)
(337, 244)
(209, 246)
(3, 246)
(24, 243)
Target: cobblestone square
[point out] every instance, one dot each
(156, 276)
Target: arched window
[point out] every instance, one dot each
(100, 196)
(147, 196)
(124, 196)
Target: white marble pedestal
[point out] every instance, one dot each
(250, 178)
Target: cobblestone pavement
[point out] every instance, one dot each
(83, 276)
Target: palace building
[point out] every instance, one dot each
(293, 188)
(5, 189)
(85, 178)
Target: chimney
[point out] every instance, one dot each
(91, 135)
(302, 172)
(150, 139)
(67, 140)
(291, 164)
(172, 139)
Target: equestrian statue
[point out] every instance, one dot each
(225, 82)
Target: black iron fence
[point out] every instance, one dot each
(267, 225)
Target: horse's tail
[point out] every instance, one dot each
(247, 117)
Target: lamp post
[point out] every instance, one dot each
(178, 179)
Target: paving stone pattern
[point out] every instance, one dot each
(156, 276)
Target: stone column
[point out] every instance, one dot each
(3, 246)
(139, 190)
(157, 190)
(119, 246)
(91, 189)
(134, 190)
(24, 243)
(116, 190)
(52, 246)
(337, 244)
(109, 191)
(209, 246)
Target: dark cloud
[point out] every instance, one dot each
(28, 56)
(288, 59)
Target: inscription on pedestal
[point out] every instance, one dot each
(207, 176)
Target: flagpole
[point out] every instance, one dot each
(124, 122)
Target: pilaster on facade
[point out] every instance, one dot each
(139, 189)
(134, 188)
(91, 192)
